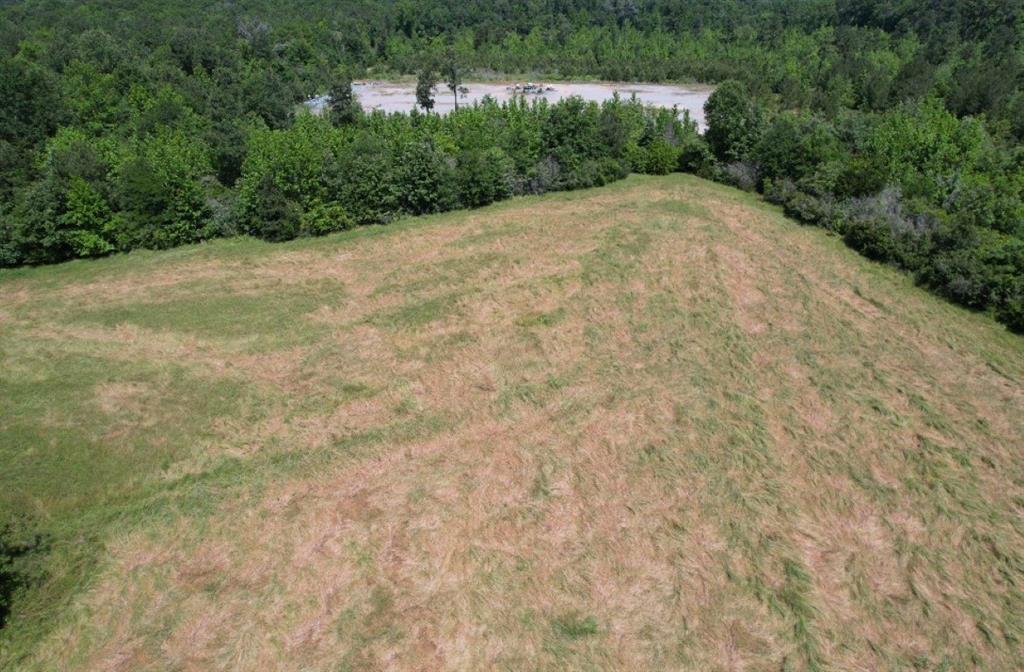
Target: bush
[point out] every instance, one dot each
(960, 276)
(361, 177)
(887, 227)
(159, 190)
(322, 218)
(1011, 312)
(871, 237)
(795, 146)
(819, 210)
(987, 271)
(980, 201)
(742, 175)
(695, 157)
(571, 134)
(484, 177)
(859, 176)
(660, 158)
(271, 214)
(424, 179)
(541, 178)
(599, 172)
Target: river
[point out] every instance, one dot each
(401, 96)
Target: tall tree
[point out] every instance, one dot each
(343, 107)
(452, 72)
(735, 121)
(425, 89)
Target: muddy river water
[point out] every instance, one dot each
(401, 96)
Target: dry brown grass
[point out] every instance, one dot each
(655, 426)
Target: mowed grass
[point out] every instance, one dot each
(653, 426)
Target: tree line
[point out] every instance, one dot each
(157, 187)
(915, 186)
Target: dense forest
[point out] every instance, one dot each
(898, 125)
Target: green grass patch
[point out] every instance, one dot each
(574, 626)
(539, 319)
(211, 313)
(417, 314)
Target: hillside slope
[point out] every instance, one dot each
(651, 426)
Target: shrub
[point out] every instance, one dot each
(794, 146)
(986, 271)
(695, 157)
(991, 202)
(819, 210)
(742, 174)
(88, 220)
(159, 189)
(887, 227)
(660, 158)
(271, 214)
(322, 218)
(958, 275)
(484, 176)
(571, 134)
(859, 176)
(1011, 312)
(541, 178)
(424, 179)
(871, 237)
(361, 177)
(599, 172)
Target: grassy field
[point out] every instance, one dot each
(654, 426)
